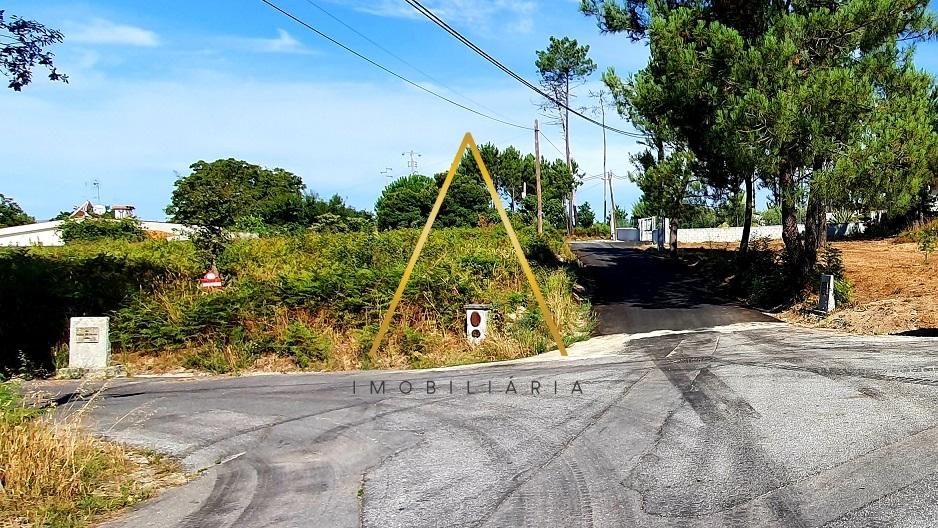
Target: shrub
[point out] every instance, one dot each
(305, 345)
(926, 240)
(843, 291)
(94, 229)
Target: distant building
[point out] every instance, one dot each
(122, 211)
(47, 233)
(87, 209)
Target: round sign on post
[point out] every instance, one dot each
(211, 280)
(477, 316)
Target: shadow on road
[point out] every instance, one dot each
(635, 291)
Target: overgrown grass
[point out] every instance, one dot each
(54, 474)
(314, 300)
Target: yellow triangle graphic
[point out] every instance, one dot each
(545, 311)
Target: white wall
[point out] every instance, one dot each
(728, 234)
(40, 234)
(47, 234)
(628, 234)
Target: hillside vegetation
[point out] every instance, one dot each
(312, 301)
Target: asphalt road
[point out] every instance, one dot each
(638, 291)
(756, 424)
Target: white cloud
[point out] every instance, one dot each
(283, 43)
(101, 31)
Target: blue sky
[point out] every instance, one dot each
(155, 86)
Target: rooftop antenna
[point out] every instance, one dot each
(387, 172)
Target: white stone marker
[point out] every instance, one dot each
(89, 345)
(826, 302)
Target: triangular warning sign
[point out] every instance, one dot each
(471, 144)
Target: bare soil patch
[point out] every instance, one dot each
(895, 290)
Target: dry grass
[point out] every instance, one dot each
(52, 473)
(894, 290)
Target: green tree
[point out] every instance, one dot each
(216, 195)
(405, 202)
(562, 66)
(11, 214)
(819, 100)
(585, 216)
(668, 185)
(23, 46)
(332, 215)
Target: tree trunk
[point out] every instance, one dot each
(747, 221)
(786, 195)
(811, 236)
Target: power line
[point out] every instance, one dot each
(387, 70)
(399, 58)
(552, 144)
(446, 27)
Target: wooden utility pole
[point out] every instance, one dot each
(537, 176)
(606, 174)
(571, 218)
(612, 215)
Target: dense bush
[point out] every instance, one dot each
(42, 287)
(301, 296)
(94, 229)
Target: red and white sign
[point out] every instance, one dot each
(211, 280)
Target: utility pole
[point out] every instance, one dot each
(537, 176)
(606, 174)
(571, 217)
(412, 162)
(612, 214)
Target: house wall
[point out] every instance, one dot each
(46, 233)
(39, 234)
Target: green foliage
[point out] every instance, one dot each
(927, 236)
(94, 229)
(772, 216)
(273, 286)
(563, 64)
(305, 345)
(466, 199)
(820, 100)
(10, 212)
(406, 202)
(585, 216)
(216, 195)
(843, 292)
(44, 286)
(844, 216)
(25, 45)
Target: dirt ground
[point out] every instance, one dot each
(894, 291)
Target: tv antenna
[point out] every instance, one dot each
(387, 172)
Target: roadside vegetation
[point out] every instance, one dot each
(308, 301)
(54, 474)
